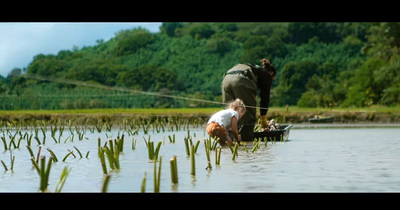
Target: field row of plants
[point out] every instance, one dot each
(41, 134)
(292, 114)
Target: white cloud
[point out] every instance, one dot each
(20, 42)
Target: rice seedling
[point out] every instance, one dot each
(99, 125)
(135, 132)
(218, 151)
(245, 149)
(38, 154)
(53, 130)
(55, 159)
(134, 143)
(30, 150)
(3, 138)
(79, 152)
(63, 178)
(55, 140)
(230, 146)
(146, 127)
(174, 170)
(143, 186)
(157, 176)
(171, 139)
(196, 146)
(207, 147)
(61, 130)
(80, 135)
(109, 125)
(12, 157)
(235, 151)
(112, 156)
(29, 140)
(44, 135)
(43, 171)
(4, 165)
(105, 183)
(65, 157)
(38, 140)
(256, 145)
(120, 143)
(18, 143)
(102, 160)
(153, 153)
(192, 161)
(12, 142)
(71, 153)
(187, 146)
(212, 142)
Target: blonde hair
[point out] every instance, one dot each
(237, 105)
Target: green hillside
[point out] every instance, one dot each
(346, 64)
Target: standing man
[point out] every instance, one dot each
(243, 81)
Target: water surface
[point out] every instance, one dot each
(312, 160)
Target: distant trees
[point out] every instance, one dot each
(171, 29)
(345, 64)
(293, 80)
(130, 41)
(203, 31)
(377, 80)
(149, 78)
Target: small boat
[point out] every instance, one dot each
(321, 119)
(281, 134)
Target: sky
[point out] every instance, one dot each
(21, 41)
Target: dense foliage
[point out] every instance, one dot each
(346, 64)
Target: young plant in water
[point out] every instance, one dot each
(207, 147)
(235, 151)
(63, 178)
(43, 171)
(174, 170)
(153, 153)
(143, 186)
(218, 151)
(192, 161)
(105, 183)
(157, 176)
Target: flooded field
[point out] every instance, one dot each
(312, 160)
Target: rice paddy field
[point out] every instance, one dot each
(167, 150)
(174, 154)
(373, 114)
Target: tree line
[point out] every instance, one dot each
(346, 64)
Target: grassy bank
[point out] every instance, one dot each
(280, 114)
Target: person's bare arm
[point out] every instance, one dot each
(235, 129)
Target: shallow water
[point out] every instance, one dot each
(312, 160)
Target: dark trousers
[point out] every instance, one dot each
(239, 86)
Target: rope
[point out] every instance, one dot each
(120, 89)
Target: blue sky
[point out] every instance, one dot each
(21, 41)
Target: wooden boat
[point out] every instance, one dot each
(321, 119)
(281, 134)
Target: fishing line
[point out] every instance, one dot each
(121, 89)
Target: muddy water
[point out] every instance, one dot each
(312, 160)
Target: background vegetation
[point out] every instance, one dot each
(346, 64)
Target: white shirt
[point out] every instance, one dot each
(224, 118)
